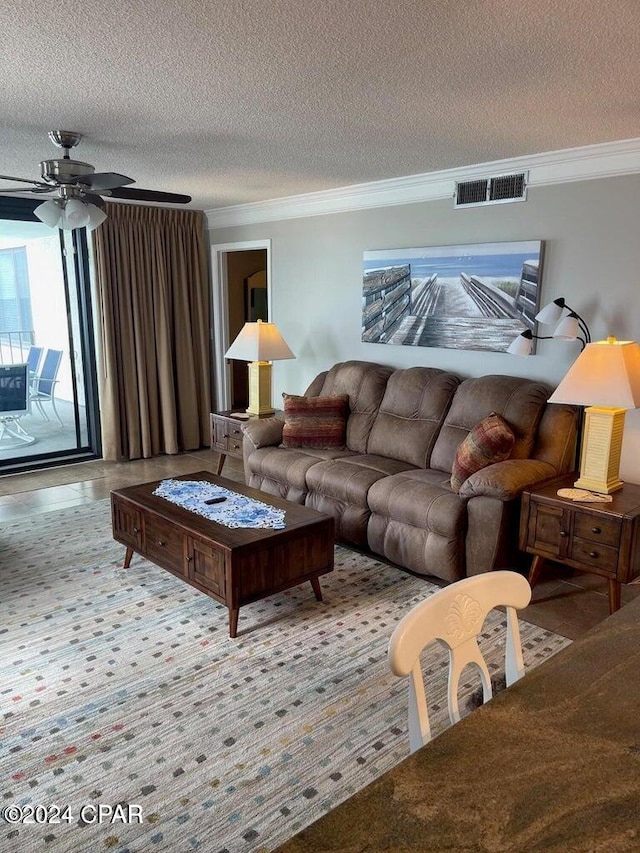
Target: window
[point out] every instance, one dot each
(15, 301)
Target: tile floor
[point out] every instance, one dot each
(566, 602)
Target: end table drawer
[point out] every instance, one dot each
(596, 555)
(234, 438)
(605, 530)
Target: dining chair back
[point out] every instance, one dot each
(43, 388)
(454, 616)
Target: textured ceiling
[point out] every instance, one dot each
(242, 101)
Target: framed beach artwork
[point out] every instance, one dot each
(473, 297)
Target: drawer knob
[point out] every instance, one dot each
(161, 543)
(593, 554)
(189, 558)
(564, 534)
(136, 530)
(596, 530)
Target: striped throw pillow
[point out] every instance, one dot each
(318, 422)
(489, 441)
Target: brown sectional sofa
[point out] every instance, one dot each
(389, 489)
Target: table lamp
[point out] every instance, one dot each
(606, 378)
(259, 343)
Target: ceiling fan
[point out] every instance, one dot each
(79, 188)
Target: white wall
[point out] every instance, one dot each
(591, 231)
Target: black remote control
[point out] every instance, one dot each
(215, 501)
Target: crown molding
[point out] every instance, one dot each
(555, 167)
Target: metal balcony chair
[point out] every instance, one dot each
(454, 616)
(33, 359)
(44, 383)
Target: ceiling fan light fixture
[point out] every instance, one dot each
(70, 213)
(50, 213)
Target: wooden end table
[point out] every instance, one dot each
(226, 434)
(599, 538)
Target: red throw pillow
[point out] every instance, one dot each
(318, 422)
(489, 441)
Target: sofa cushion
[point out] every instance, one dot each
(489, 441)
(412, 410)
(521, 402)
(279, 471)
(318, 422)
(339, 487)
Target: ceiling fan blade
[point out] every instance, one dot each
(27, 190)
(103, 181)
(26, 181)
(134, 194)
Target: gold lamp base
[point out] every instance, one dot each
(601, 448)
(260, 388)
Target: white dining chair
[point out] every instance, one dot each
(454, 616)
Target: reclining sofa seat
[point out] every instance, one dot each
(389, 489)
(413, 520)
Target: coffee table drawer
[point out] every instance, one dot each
(127, 524)
(164, 545)
(206, 566)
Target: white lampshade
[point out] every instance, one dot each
(259, 342)
(521, 345)
(551, 313)
(75, 215)
(567, 329)
(49, 212)
(96, 216)
(606, 373)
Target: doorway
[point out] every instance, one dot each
(241, 293)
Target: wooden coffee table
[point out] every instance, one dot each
(232, 565)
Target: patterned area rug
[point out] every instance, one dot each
(122, 688)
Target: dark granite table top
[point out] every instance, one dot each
(551, 765)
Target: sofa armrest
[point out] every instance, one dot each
(506, 480)
(265, 432)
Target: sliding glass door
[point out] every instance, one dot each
(45, 323)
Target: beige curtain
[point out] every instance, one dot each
(153, 292)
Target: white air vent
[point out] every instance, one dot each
(497, 190)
